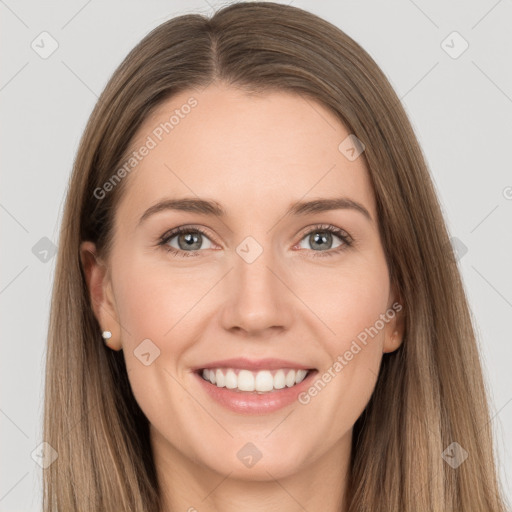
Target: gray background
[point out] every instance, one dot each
(461, 110)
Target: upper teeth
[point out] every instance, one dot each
(245, 380)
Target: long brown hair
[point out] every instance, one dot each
(430, 392)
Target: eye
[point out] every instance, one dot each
(321, 237)
(188, 241)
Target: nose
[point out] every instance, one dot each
(257, 299)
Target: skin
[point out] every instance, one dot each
(254, 155)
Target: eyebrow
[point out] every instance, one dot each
(213, 208)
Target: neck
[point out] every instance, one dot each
(188, 485)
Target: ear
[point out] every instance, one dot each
(394, 333)
(99, 286)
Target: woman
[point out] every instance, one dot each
(256, 303)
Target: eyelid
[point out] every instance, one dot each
(320, 227)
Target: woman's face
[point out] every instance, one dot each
(270, 290)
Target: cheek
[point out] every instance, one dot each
(347, 299)
(356, 310)
(154, 301)
(152, 305)
(351, 302)
(159, 309)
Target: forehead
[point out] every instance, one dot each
(257, 151)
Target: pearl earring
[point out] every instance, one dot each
(106, 335)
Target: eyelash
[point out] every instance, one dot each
(346, 239)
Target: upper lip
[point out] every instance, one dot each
(253, 364)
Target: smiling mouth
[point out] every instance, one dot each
(261, 381)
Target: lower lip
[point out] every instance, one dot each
(251, 402)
